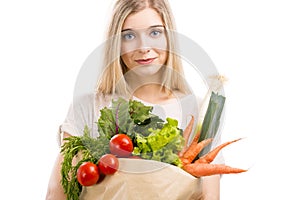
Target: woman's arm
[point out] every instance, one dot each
(211, 187)
(55, 189)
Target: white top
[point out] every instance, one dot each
(86, 111)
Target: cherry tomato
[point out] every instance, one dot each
(121, 145)
(88, 174)
(108, 164)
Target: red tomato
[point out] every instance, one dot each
(108, 164)
(88, 174)
(121, 145)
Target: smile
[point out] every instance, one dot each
(145, 61)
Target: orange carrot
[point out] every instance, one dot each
(187, 131)
(210, 156)
(193, 150)
(193, 143)
(186, 134)
(199, 170)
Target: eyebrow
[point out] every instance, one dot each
(154, 26)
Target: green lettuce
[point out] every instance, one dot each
(162, 144)
(153, 138)
(106, 123)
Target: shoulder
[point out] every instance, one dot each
(190, 100)
(187, 97)
(101, 100)
(91, 100)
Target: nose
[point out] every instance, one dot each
(144, 50)
(144, 46)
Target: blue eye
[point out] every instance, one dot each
(128, 36)
(155, 33)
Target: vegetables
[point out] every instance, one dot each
(186, 134)
(200, 145)
(147, 132)
(210, 156)
(121, 145)
(161, 144)
(88, 150)
(87, 174)
(151, 137)
(128, 117)
(199, 170)
(108, 164)
(129, 129)
(194, 150)
(212, 118)
(202, 166)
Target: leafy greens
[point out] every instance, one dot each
(152, 137)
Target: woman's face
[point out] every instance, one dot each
(144, 42)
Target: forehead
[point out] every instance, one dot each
(142, 19)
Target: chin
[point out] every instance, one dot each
(147, 70)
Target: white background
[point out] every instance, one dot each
(255, 44)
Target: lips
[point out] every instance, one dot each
(145, 61)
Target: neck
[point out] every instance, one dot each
(153, 93)
(136, 80)
(148, 87)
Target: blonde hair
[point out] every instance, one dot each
(112, 80)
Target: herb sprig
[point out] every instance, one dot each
(82, 149)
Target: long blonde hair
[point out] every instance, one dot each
(112, 80)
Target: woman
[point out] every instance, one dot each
(140, 63)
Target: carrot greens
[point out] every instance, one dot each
(81, 148)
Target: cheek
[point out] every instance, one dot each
(127, 60)
(163, 57)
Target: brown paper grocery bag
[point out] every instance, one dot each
(146, 180)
